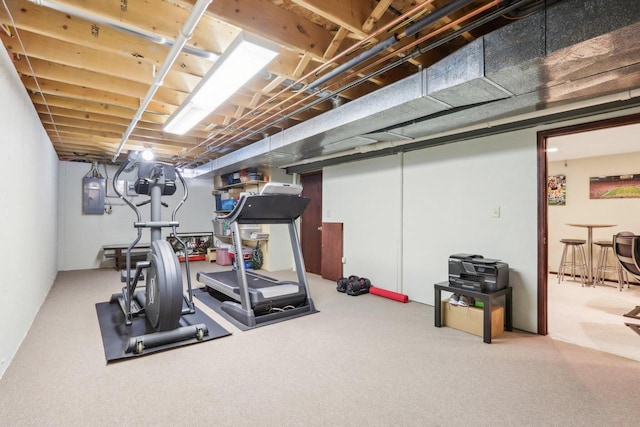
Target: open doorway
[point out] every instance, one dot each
(578, 155)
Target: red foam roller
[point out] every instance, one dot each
(389, 294)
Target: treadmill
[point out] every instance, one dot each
(257, 298)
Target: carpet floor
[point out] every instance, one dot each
(360, 361)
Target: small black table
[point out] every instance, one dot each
(486, 298)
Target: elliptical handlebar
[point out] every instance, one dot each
(122, 167)
(131, 164)
(184, 198)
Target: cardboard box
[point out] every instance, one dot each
(470, 319)
(211, 255)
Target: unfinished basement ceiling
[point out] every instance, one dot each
(87, 65)
(572, 59)
(353, 79)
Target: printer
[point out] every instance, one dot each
(476, 273)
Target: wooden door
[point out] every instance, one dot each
(332, 250)
(311, 224)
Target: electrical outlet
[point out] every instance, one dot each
(495, 212)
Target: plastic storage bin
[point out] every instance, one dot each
(223, 257)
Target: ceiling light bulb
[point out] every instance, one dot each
(147, 155)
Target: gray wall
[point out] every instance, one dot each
(28, 203)
(405, 214)
(82, 236)
(410, 211)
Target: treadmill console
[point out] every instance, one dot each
(281, 188)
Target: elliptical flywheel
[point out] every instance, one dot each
(164, 287)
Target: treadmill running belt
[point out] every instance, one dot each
(262, 289)
(230, 278)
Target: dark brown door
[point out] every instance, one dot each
(331, 250)
(311, 224)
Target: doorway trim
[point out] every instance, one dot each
(542, 137)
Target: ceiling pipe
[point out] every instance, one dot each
(529, 9)
(348, 51)
(323, 95)
(185, 34)
(435, 16)
(123, 27)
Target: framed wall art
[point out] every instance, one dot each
(557, 190)
(614, 187)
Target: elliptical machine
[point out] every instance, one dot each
(162, 302)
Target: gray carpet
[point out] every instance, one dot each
(360, 361)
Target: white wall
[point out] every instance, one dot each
(366, 197)
(28, 213)
(450, 194)
(82, 236)
(580, 208)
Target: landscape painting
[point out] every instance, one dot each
(614, 187)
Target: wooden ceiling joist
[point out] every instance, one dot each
(78, 92)
(87, 66)
(61, 26)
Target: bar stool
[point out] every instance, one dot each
(578, 260)
(604, 267)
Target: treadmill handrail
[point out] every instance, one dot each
(267, 209)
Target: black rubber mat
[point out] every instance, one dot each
(216, 305)
(115, 334)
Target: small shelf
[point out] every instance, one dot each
(197, 244)
(239, 185)
(222, 193)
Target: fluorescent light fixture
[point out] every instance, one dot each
(244, 58)
(552, 149)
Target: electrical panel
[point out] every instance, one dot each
(93, 194)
